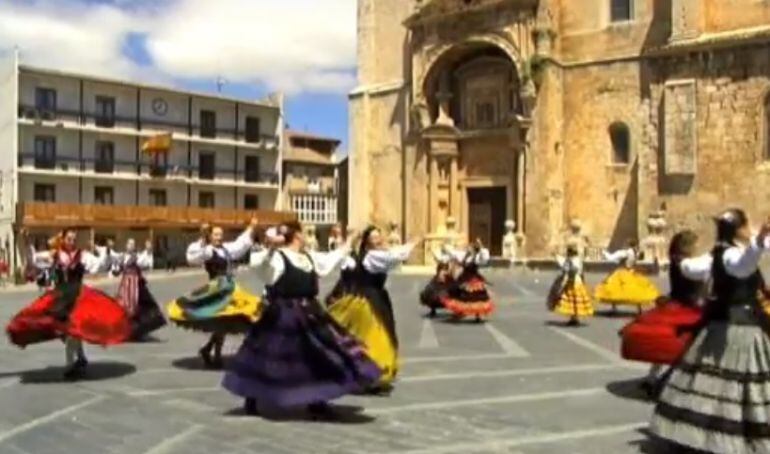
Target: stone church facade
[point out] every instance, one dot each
(542, 112)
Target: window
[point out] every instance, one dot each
(206, 199)
(251, 174)
(105, 157)
(252, 129)
(45, 193)
(621, 10)
(45, 100)
(105, 111)
(485, 115)
(250, 202)
(45, 152)
(104, 195)
(159, 165)
(158, 197)
(621, 143)
(208, 123)
(767, 126)
(206, 166)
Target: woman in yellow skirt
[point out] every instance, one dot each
(365, 308)
(626, 286)
(220, 307)
(569, 295)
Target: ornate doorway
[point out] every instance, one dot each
(486, 216)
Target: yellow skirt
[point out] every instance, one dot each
(575, 301)
(356, 315)
(626, 287)
(221, 305)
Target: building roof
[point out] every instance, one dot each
(290, 133)
(307, 153)
(115, 81)
(708, 41)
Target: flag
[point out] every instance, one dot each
(160, 143)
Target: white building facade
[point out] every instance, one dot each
(72, 156)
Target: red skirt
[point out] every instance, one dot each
(94, 318)
(660, 336)
(469, 298)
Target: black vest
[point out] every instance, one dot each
(683, 290)
(294, 282)
(217, 266)
(729, 290)
(72, 272)
(365, 278)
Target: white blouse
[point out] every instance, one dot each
(462, 256)
(622, 256)
(381, 261)
(92, 263)
(740, 262)
(199, 252)
(270, 266)
(570, 264)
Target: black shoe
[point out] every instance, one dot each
(81, 363)
(320, 410)
(432, 313)
(250, 407)
(74, 372)
(205, 355)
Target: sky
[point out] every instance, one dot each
(305, 48)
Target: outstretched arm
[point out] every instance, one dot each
(382, 261)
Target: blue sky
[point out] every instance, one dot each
(256, 46)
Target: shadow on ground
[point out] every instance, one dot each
(338, 414)
(96, 371)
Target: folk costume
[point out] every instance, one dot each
(134, 295)
(626, 286)
(433, 293)
(569, 295)
(71, 311)
(365, 309)
(716, 399)
(220, 307)
(296, 355)
(468, 295)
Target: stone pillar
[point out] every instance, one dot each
(454, 192)
(433, 194)
(521, 168)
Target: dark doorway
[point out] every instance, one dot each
(486, 214)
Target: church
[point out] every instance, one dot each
(543, 112)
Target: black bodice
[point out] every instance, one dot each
(729, 290)
(294, 282)
(69, 272)
(369, 279)
(217, 266)
(683, 290)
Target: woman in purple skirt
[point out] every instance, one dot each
(296, 355)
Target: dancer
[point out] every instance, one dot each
(660, 336)
(221, 307)
(296, 355)
(133, 293)
(626, 286)
(365, 309)
(468, 296)
(433, 293)
(716, 397)
(71, 311)
(569, 295)
(336, 238)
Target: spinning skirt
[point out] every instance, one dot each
(296, 355)
(368, 318)
(468, 297)
(71, 310)
(221, 306)
(146, 316)
(661, 335)
(718, 396)
(626, 287)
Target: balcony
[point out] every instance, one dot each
(36, 114)
(70, 164)
(39, 214)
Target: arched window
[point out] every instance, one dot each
(621, 10)
(620, 136)
(766, 126)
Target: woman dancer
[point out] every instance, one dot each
(336, 238)
(468, 296)
(366, 310)
(716, 399)
(221, 307)
(133, 293)
(431, 296)
(296, 355)
(569, 295)
(626, 286)
(71, 311)
(660, 336)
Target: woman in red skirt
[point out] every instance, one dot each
(468, 295)
(661, 335)
(71, 311)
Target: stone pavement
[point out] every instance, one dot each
(522, 383)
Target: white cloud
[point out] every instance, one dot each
(291, 45)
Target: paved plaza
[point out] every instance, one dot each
(522, 383)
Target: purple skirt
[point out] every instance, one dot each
(296, 355)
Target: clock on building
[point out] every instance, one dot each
(159, 106)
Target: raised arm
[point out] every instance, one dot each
(145, 260)
(617, 256)
(697, 268)
(481, 257)
(241, 246)
(93, 263)
(326, 262)
(198, 252)
(743, 262)
(382, 261)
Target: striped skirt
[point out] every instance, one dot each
(718, 397)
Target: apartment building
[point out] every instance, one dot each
(311, 180)
(73, 156)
